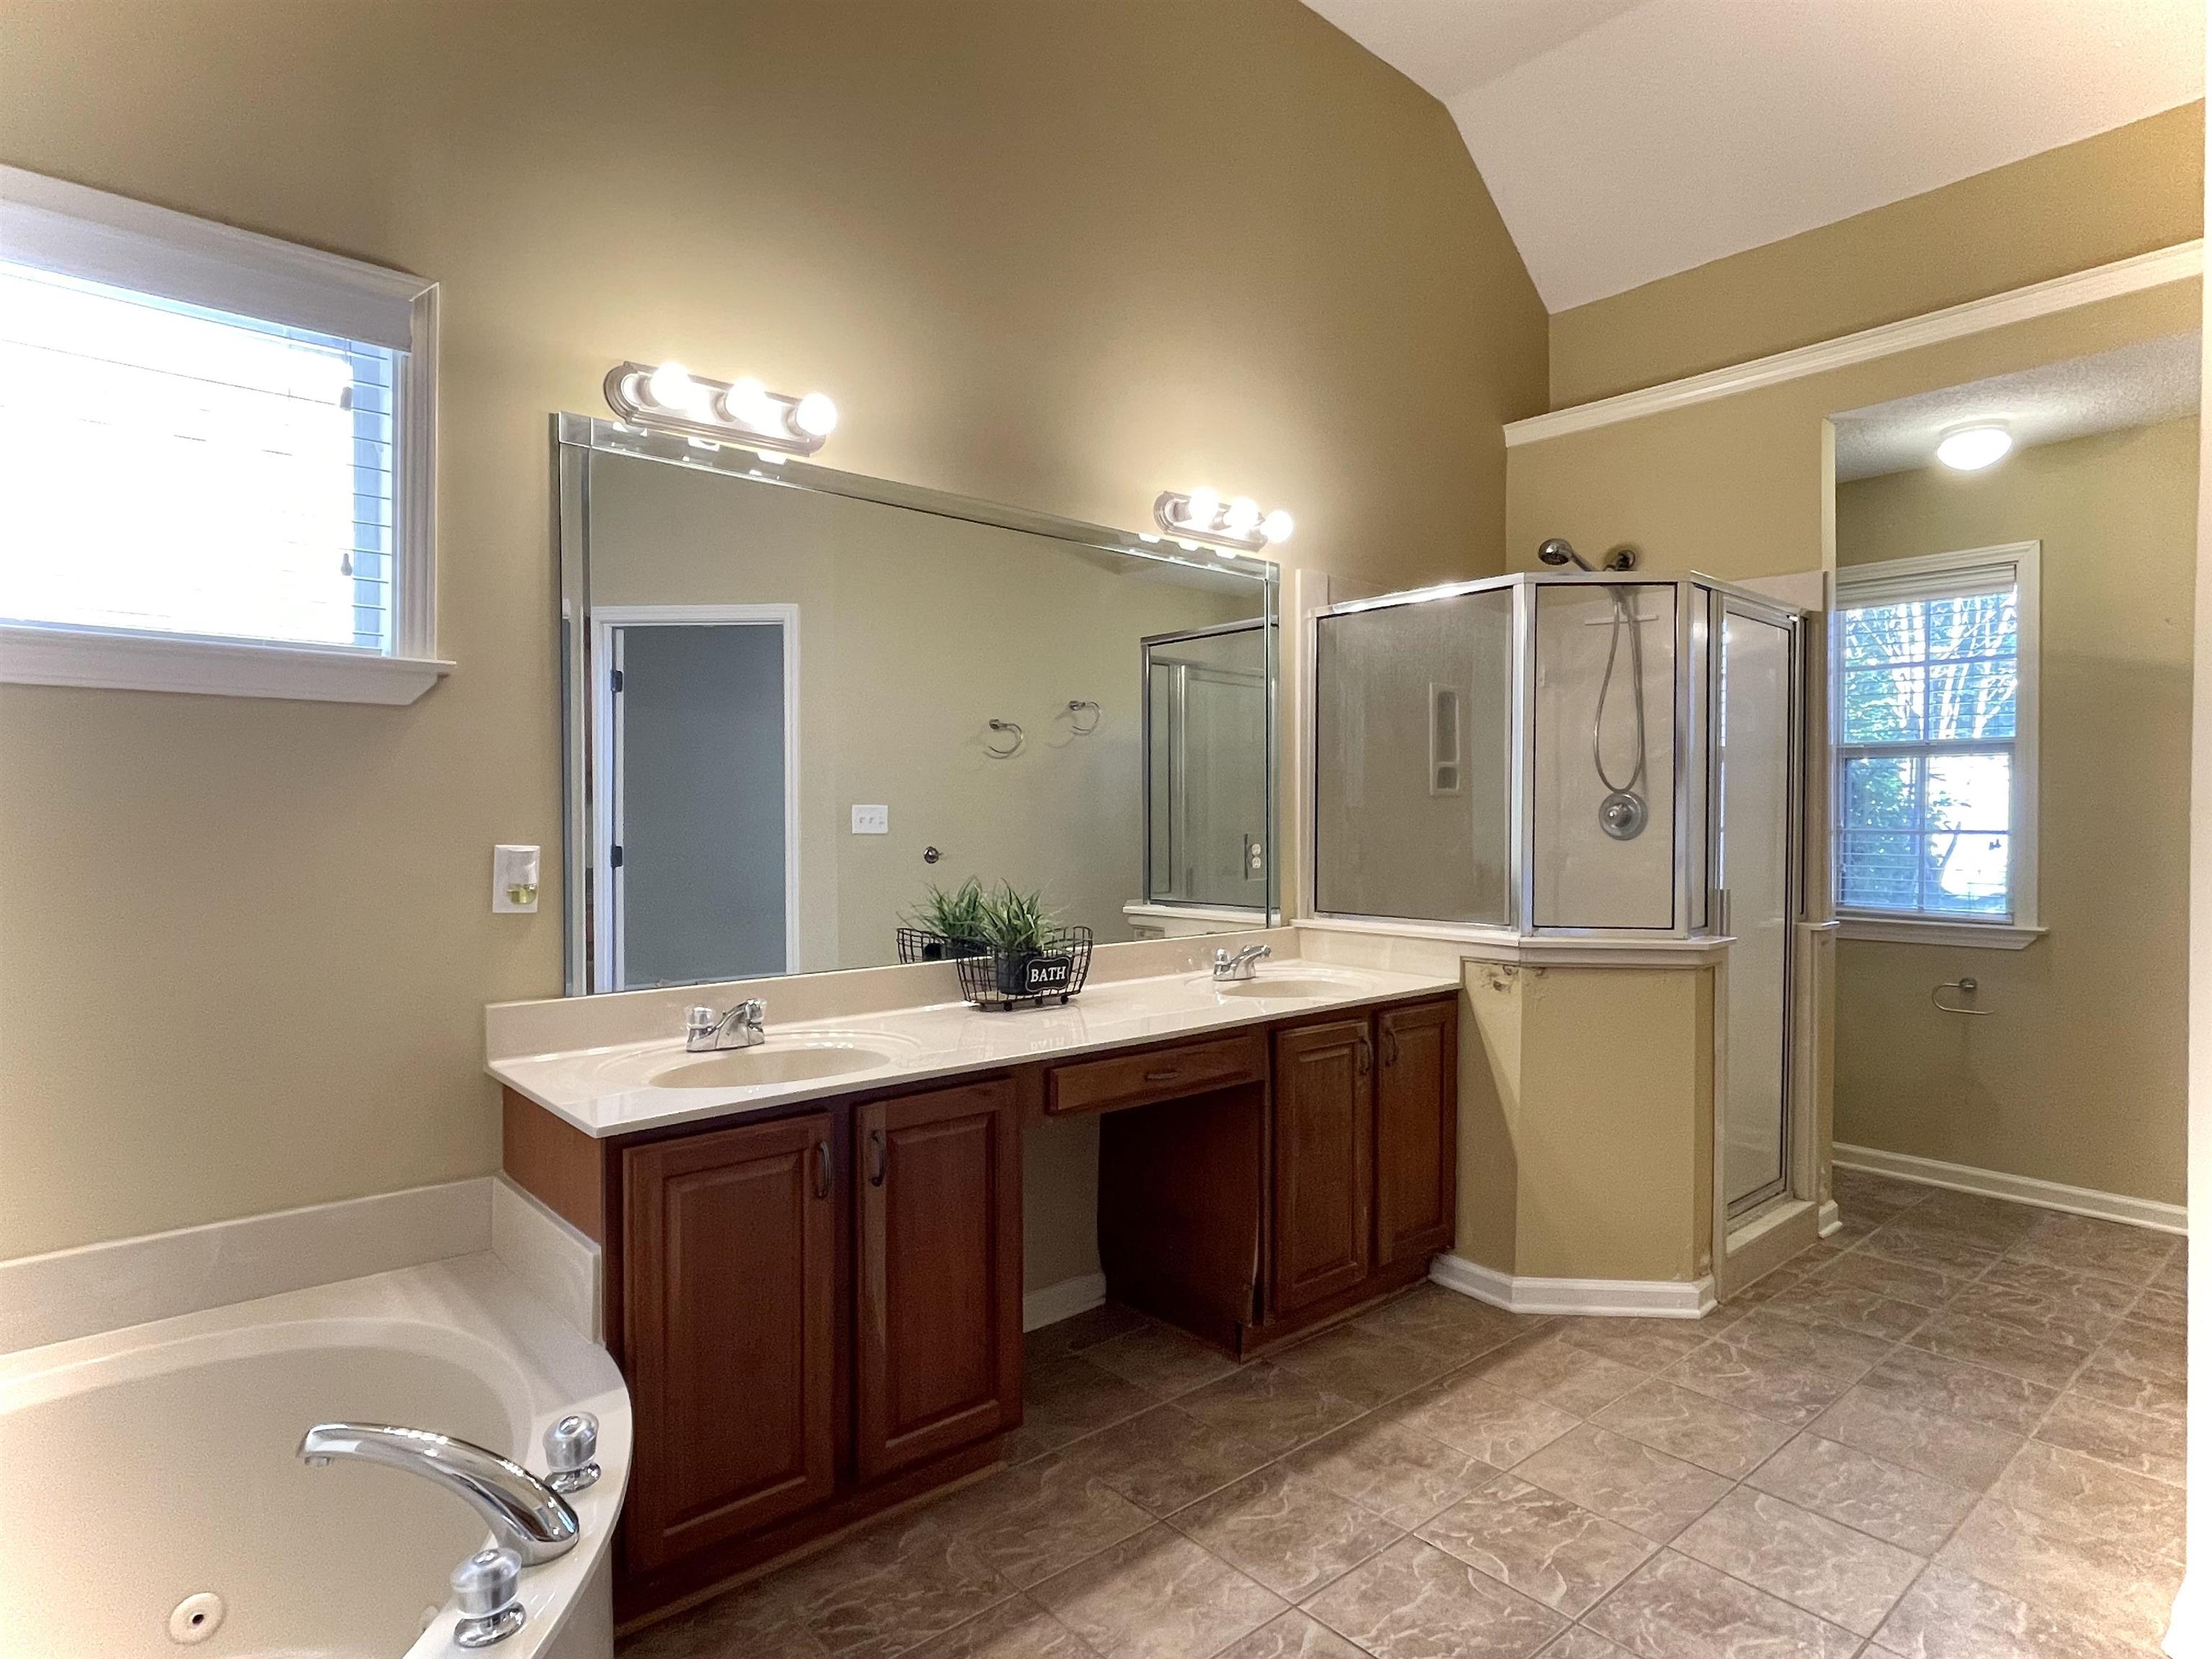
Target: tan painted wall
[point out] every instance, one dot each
(948, 216)
(2126, 191)
(2082, 1076)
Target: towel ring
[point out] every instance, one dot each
(1075, 708)
(1964, 987)
(1012, 749)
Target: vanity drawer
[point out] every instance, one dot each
(1100, 1085)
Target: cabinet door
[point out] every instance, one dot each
(730, 1276)
(940, 1334)
(1324, 1169)
(1416, 1130)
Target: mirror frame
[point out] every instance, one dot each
(576, 438)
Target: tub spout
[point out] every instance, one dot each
(524, 1514)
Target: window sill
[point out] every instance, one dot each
(30, 655)
(1913, 930)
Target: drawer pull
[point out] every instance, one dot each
(1168, 1076)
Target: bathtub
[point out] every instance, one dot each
(148, 1475)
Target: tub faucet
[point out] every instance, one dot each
(745, 1026)
(524, 1514)
(1244, 965)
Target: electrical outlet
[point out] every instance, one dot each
(872, 820)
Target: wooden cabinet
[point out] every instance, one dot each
(730, 1277)
(1323, 1176)
(938, 1289)
(1416, 1130)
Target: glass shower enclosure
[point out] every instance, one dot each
(1205, 777)
(1603, 757)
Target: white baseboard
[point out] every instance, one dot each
(1831, 1219)
(2020, 1190)
(1626, 1298)
(1054, 1303)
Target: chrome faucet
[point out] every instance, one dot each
(745, 1026)
(1244, 965)
(524, 1514)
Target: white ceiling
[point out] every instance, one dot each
(2137, 384)
(1625, 140)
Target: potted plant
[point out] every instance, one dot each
(1019, 930)
(953, 921)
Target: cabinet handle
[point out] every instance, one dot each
(1389, 1046)
(821, 1169)
(876, 1157)
(1366, 1055)
(1168, 1076)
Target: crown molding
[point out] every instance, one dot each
(2179, 263)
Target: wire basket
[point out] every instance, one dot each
(926, 944)
(993, 978)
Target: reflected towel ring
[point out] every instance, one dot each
(1012, 749)
(1964, 987)
(1075, 708)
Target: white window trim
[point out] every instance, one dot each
(2024, 928)
(148, 247)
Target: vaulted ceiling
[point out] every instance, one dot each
(1625, 140)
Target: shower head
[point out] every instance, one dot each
(1559, 550)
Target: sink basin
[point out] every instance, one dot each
(1278, 985)
(773, 1061)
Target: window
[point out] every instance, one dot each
(1935, 697)
(215, 457)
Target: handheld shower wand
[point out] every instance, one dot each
(1623, 812)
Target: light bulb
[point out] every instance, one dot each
(815, 415)
(748, 403)
(1973, 448)
(1199, 508)
(1243, 516)
(671, 387)
(1277, 526)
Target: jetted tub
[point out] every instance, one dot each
(146, 1468)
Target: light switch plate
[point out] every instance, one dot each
(872, 820)
(514, 880)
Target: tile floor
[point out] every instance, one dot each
(1954, 1430)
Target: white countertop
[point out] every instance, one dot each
(611, 1090)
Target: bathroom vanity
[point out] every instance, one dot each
(814, 1287)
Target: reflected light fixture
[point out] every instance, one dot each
(1201, 515)
(669, 398)
(1971, 448)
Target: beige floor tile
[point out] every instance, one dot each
(2067, 1567)
(1677, 1609)
(754, 1621)
(2166, 1310)
(1166, 1458)
(1289, 1533)
(2036, 1312)
(1694, 1428)
(1391, 1469)
(1067, 1336)
(1500, 1428)
(1583, 1642)
(1269, 1408)
(1646, 1344)
(1625, 1481)
(1016, 1629)
(1414, 1602)
(2174, 1276)
(1767, 1285)
(1848, 1307)
(1542, 1367)
(1974, 1394)
(2081, 1295)
(1809, 1561)
(1900, 1506)
(1999, 1221)
(1065, 1399)
(1791, 1392)
(1539, 1544)
(1161, 1362)
(1858, 1190)
(1454, 1327)
(1833, 1350)
(1039, 1518)
(1923, 1287)
(1292, 1634)
(2109, 1249)
(1157, 1595)
(1947, 1615)
(1964, 1454)
(2130, 1509)
(2050, 1356)
(2134, 1370)
(1362, 1365)
(928, 1576)
(1925, 1244)
(2127, 1440)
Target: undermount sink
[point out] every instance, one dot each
(773, 1061)
(1278, 985)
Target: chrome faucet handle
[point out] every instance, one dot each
(484, 1589)
(570, 1444)
(699, 1023)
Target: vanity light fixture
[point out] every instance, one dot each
(1201, 515)
(1971, 448)
(743, 412)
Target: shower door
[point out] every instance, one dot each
(1755, 769)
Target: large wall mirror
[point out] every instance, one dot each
(795, 701)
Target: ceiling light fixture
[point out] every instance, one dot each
(1971, 448)
(669, 397)
(1201, 515)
